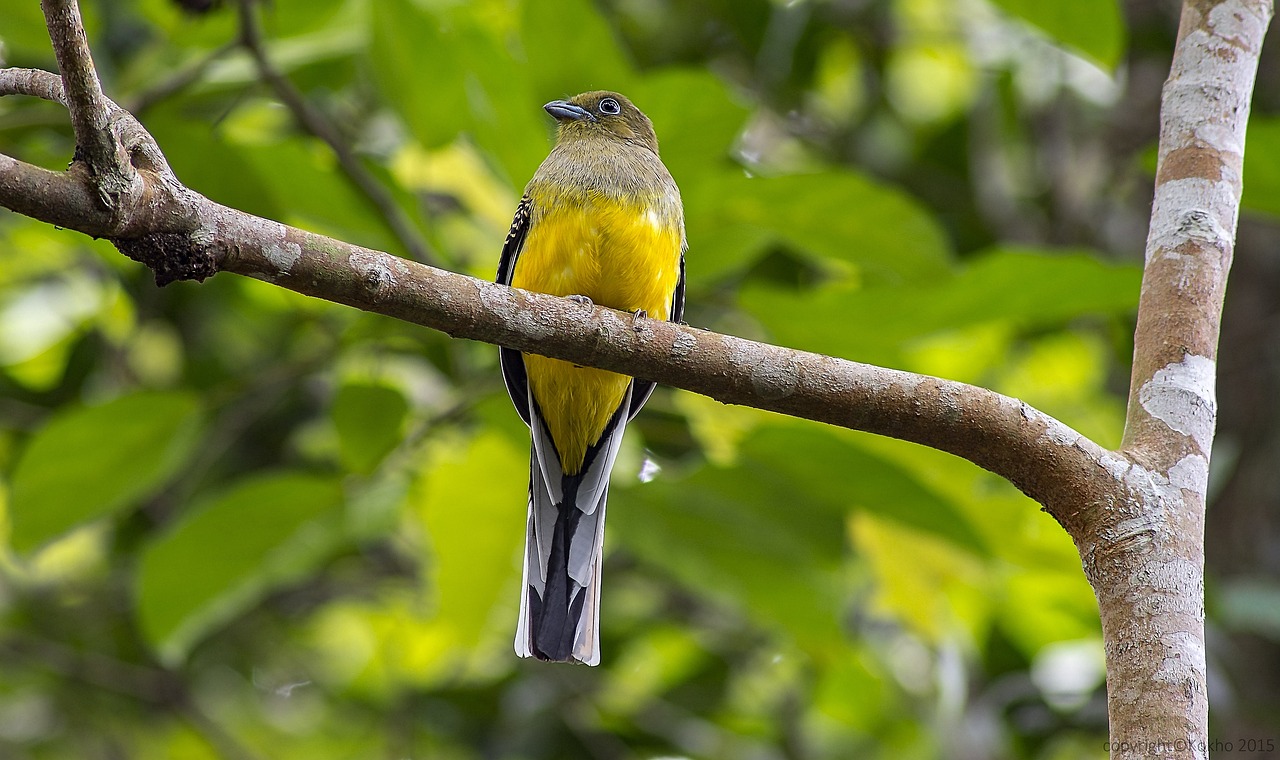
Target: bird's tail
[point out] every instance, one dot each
(560, 592)
(560, 611)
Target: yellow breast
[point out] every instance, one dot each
(623, 254)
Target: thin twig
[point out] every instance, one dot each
(222, 741)
(132, 680)
(315, 123)
(178, 82)
(37, 83)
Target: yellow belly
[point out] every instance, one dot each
(622, 255)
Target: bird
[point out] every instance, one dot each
(600, 222)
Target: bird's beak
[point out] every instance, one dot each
(563, 110)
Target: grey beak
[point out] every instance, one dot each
(563, 110)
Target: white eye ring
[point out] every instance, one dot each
(610, 106)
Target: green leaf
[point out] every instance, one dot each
(1092, 27)
(407, 39)
(741, 536)
(1262, 166)
(95, 461)
(290, 179)
(369, 419)
(229, 552)
(837, 215)
(1041, 606)
(768, 534)
(1019, 286)
(221, 171)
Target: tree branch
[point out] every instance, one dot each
(1045, 458)
(98, 146)
(81, 200)
(85, 101)
(1193, 225)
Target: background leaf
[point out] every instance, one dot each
(1014, 286)
(370, 420)
(840, 216)
(95, 461)
(1262, 166)
(229, 552)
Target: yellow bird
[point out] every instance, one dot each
(600, 222)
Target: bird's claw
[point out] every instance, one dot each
(581, 300)
(636, 316)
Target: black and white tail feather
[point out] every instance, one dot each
(560, 592)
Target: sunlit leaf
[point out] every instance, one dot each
(231, 550)
(1041, 606)
(925, 583)
(94, 461)
(473, 506)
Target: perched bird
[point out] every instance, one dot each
(600, 222)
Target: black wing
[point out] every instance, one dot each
(513, 373)
(643, 389)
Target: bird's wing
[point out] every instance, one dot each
(513, 372)
(641, 390)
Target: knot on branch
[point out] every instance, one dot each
(170, 255)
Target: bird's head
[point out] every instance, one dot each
(602, 114)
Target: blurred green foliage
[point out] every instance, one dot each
(244, 524)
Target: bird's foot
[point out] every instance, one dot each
(636, 316)
(582, 301)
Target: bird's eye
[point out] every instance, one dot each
(610, 106)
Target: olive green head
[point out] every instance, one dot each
(604, 114)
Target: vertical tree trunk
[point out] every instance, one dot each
(1143, 544)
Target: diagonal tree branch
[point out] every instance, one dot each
(315, 122)
(992, 430)
(178, 81)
